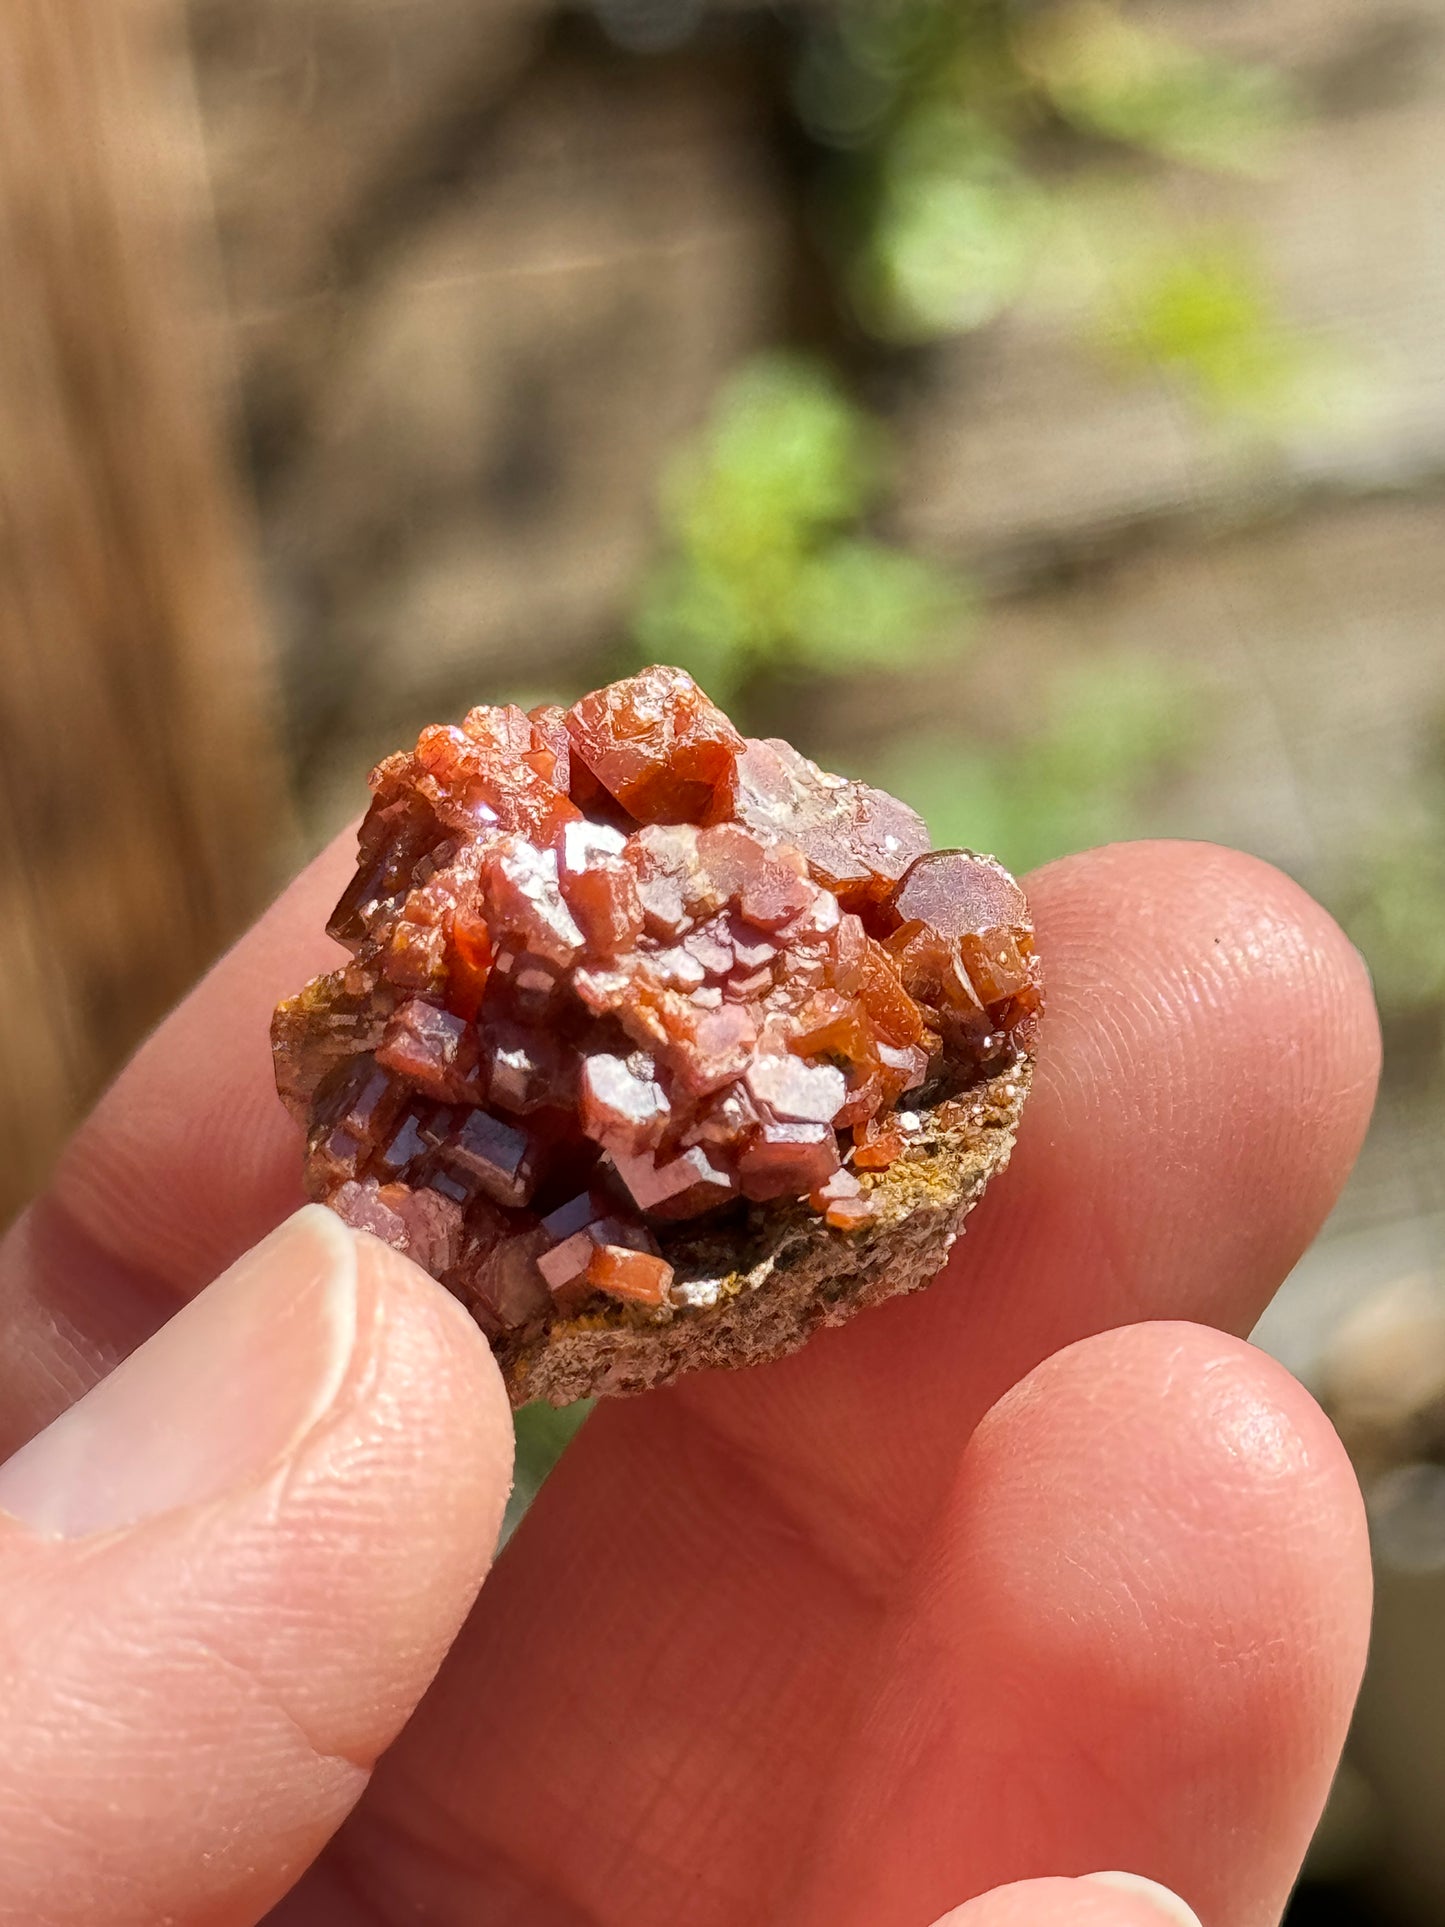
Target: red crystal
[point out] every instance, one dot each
(500, 1158)
(877, 1143)
(858, 841)
(842, 1202)
(424, 1224)
(656, 744)
(433, 1049)
(959, 894)
(503, 1280)
(527, 1069)
(679, 1187)
(636, 1276)
(620, 947)
(788, 1160)
(576, 1235)
(620, 1103)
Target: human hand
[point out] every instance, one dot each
(999, 1584)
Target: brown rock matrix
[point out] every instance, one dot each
(657, 1045)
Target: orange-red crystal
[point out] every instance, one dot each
(618, 966)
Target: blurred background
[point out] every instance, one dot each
(1035, 405)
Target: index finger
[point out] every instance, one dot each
(187, 1160)
(1207, 1012)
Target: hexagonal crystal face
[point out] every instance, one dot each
(618, 967)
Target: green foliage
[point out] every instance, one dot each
(949, 198)
(1202, 311)
(785, 451)
(543, 1433)
(767, 567)
(956, 226)
(1108, 730)
(1111, 76)
(861, 603)
(946, 205)
(1395, 912)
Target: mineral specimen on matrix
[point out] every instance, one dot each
(657, 1044)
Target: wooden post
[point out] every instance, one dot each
(137, 791)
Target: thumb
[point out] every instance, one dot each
(1096, 1900)
(227, 1575)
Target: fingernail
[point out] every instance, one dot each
(1167, 1904)
(217, 1399)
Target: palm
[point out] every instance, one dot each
(823, 1642)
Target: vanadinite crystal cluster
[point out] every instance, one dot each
(617, 970)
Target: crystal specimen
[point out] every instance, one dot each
(620, 977)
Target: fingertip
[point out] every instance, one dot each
(1197, 1459)
(237, 1564)
(1207, 1070)
(1166, 1904)
(1216, 932)
(1158, 1535)
(1093, 1900)
(439, 1363)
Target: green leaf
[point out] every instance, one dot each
(543, 1433)
(1112, 76)
(1398, 917)
(761, 569)
(861, 603)
(955, 231)
(695, 617)
(1110, 728)
(785, 454)
(1203, 311)
(1109, 722)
